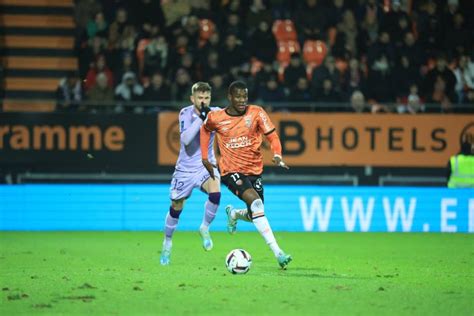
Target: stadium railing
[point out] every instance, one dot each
(390, 180)
(13, 105)
(32, 177)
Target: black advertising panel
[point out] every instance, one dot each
(78, 140)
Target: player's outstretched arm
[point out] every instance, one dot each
(205, 138)
(275, 145)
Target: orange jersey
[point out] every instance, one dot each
(239, 139)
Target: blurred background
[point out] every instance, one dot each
(363, 92)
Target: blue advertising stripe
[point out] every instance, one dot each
(288, 207)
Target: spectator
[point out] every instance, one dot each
(97, 26)
(301, 92)
(311, 20)
(405, 75)
(441, 100)
(156, 56)
(234, 26)
(412, 103)
(382, 47)
(403, 27)
(412, 50)
(380, 81)
(191, 30)
(354, 78)
(181, 85)
(264, 75)
(84, 10)
(121, 24)
(457, 38)
(346, 38)
(158, 90)
(369, 30)
(129, 89)
(174, 10)
(327, 70)
(258, 12)
(100, 66)
(101, 94)
(448, 80)
(212, 67)
(69, 93)
(219, 90)
(127, 64)
(232, 54)
(328, 95)
(358, 103)
(395, 21)
(212, 44)
(262, 43)
(336, 11)
(464, 79)
(272, 91)
(187, 63)
(448, 16)
(87, 57)
(295, 70)
(429, 27)
(202, 9)
(149, 18)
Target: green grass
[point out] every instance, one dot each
(118, 273)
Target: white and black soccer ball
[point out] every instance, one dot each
(238, 261)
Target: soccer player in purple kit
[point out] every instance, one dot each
(190, 173)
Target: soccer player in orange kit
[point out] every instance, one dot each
(239, 128)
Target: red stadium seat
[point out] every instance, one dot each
(284, 30)
(314, 52)
(285, 49)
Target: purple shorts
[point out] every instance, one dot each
(184, 182)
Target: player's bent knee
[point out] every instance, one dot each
(215, 197)
(257, 208)
(174, 212)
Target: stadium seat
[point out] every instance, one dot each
(141, 53)
(206, 29)
(314, 52)
(284, 30)
(285, 49)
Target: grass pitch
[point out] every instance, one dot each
(118, 273)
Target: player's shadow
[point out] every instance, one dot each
(317, 274)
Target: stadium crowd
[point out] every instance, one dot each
(374, 56)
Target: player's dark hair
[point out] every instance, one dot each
(200, 86)
(237, 85)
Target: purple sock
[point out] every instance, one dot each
(209, 213)
(170, 223)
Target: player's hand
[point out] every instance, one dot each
(209, 167)
(279, 162)
(203, 112)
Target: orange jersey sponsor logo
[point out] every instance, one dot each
(239, 139)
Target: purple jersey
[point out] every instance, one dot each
(190, 158)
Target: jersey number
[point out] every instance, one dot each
(235, 177)
(178, 185)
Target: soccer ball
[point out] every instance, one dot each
(238, 261)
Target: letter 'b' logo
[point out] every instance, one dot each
(467, 134)
(172, 137)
